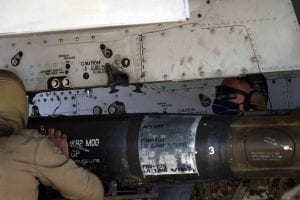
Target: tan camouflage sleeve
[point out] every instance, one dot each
(57, 170)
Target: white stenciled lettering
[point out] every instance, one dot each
(211, 150)
(87, 161)
(92, 143)
(76, 142)
(74, 153)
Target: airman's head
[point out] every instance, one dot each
(236, 95)
(13, 101)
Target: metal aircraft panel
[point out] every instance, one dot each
(220, 39)
(42, 16)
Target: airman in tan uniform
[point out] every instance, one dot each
(28, 158)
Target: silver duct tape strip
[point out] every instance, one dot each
(167, 145)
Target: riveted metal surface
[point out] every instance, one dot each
(259, 36)
(191, 51)
(167, 97)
